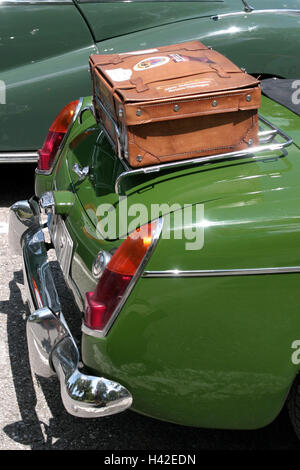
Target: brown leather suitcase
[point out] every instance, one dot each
(174, 103)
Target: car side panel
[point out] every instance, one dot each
(44, 64)
(109, 19)
(265, 43)
(207, 352)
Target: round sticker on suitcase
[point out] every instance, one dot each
(151, 62)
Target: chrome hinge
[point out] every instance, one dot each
(81, 172)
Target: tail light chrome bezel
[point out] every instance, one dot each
(62, 143)
(103, 332)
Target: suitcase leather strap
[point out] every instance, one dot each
(115, 59)
(141, 86)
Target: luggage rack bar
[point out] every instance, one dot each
(267, 142)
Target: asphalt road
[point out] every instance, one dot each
(31, 413)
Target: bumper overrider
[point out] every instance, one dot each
(52, 349)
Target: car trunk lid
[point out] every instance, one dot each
(111, 19)
(224, 180)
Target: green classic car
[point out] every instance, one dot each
(189, 306)
(45, 45)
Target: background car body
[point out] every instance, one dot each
(209, 351)
(45, 47)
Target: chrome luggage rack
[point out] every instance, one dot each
(268, 142)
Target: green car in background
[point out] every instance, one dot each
(45, 45)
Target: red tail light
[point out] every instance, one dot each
(119, 276)
(56, 133)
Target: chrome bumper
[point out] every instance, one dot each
(52, 349)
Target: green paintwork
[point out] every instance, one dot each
(263, 44)
(44, 66)
(138, 16)
(64, 201)
(45, 49)
(210, 352)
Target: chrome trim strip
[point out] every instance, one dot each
(145, 1)
(33, 2)
(274, 11)
(18, 157)
(138, 274)
(62, 144)
(176, 273)
(86, 108)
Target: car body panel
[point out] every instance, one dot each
(44, 64)
(210, 351)
(262, 43)
(110, 18)
(266, 4)
(115, 19)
